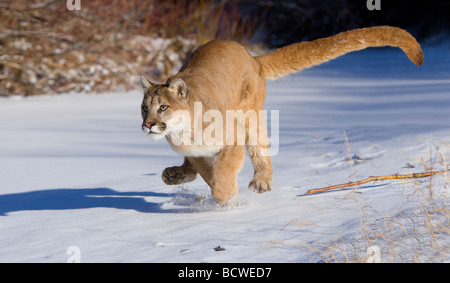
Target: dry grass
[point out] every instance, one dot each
(45, 48)
(417, 233)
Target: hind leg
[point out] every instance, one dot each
(259, 155)
(179, 174)
(262, 177)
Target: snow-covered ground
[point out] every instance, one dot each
(79, 180)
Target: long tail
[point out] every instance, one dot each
(299, 56)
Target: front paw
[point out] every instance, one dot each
(176, 175)
(172, 176)
(260, 185)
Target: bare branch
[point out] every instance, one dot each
(375, 179)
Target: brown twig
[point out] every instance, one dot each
(374, 179)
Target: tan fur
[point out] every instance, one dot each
(296, 57)
(222, 75)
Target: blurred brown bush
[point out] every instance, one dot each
(47, 48)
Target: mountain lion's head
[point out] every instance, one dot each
(160, 103)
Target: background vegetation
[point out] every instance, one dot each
(46, 48)
(289, 21)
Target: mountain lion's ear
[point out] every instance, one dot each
(145, 84)
(179, 87)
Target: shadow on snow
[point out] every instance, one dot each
(63, 199)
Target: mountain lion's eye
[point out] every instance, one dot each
(145, 109)
(163, 107)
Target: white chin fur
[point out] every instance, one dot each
(154, 135)
(157, 136)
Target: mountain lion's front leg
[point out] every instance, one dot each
(204, 166)
(227, 166)
(179, 174)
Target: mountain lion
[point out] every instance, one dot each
(223, 76)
